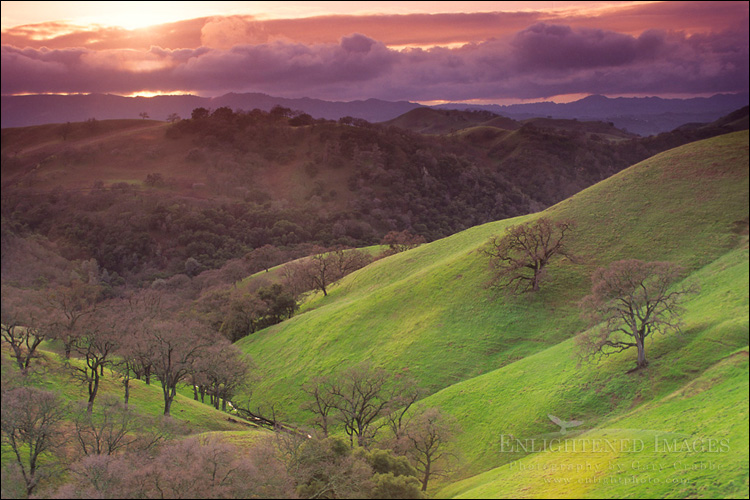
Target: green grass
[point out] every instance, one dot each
(517, 398)
(500, 364)
(148, 399)
(427, 312)
(690, 443)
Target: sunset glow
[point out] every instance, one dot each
(418, 51)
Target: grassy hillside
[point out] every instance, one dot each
(691, 443)
(147, 399)
(427, 313)
(516, 399)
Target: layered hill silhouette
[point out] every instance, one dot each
(643, 116)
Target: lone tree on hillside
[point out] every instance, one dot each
(321, 270)
(401, 241)
(630, 300)
(519, 258)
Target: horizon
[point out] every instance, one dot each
(425, 104)
(428, 53)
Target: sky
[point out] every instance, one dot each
(427, 52)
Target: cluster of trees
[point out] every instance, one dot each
(136, 336)
(113, 450)
(365, 181)
(630, 299)
(238, 313)
(61, 450)
(363, 400)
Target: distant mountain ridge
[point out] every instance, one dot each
(28, 110)
(643, 116)
(639, 115)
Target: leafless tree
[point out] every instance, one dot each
(324, 268)
(97, 342)
(31, 425)
(399, 416)
(519, 258)
(111, 429)
(21, 326)
(67, 304)
(362, 396)
(174, 345)
(187, 468)
(428, 436)
(223, 369)
(629, 301)
(321, 403)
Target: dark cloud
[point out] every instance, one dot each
(542, 59)
(549, 46)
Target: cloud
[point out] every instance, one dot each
(535, 59)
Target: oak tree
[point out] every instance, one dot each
(630, 300)
(31, 423)
(520, 257)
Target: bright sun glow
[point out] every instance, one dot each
(134, 15)
(147, 93)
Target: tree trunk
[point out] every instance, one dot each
(426, 476)
(93, 389)
(127, 390)
(642, 363)
(168, 398)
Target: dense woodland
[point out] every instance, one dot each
(143, 280)
(361, 181)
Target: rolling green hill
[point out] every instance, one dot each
(500, 364)
(146, 398)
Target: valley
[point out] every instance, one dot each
(160, 229)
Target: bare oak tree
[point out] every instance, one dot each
(519, 258)
(428, 436)
(31, 425)
(96, 345)
(321, 270)
(629, 301)
(66, 306)
(175, 346)
(362, 396)
(21, 326)
(322, 402)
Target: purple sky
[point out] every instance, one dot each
(663, 48)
